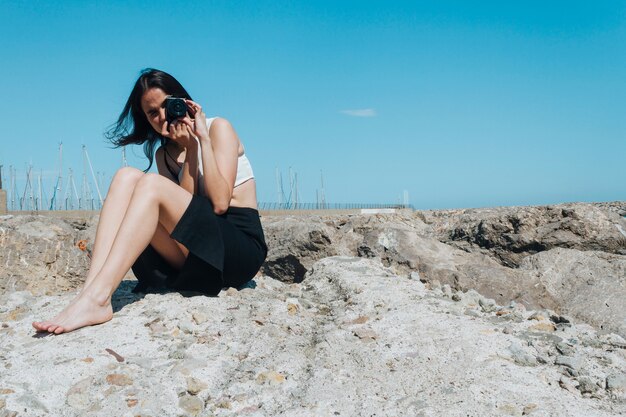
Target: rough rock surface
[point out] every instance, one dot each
(352, 339)
(587, 284)
(294, 246)
(41, 254)
(512, 233)
(457, 312)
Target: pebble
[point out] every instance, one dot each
(568, 361)
(447, 290)
(456, 297)
(568, 385)
(199, 317)
(194, 386)
(487, 304)
(232, 292)
(365, 334)
(119, 379)
(616, 382)
(543, 327)
(565, 349)
(507, 330)
(359, 320)
(558, 319)
(529, 408)
(537, 315)
(177, 353)
(520, 356)
(509, 409)
(270, 377)
(292, 309)
(471, 312)
(586, 384)
(191, 404)
(186, 326)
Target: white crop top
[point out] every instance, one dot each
(244, 169)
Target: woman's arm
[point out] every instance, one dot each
(161, 167)
(219, 160)
(181, 134)
(189, 178)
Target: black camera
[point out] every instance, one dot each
(175, 108)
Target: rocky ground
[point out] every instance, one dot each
(352, 315)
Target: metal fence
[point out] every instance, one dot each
(328, 206)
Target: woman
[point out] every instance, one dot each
(194, 226)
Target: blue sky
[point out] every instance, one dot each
(462, 104)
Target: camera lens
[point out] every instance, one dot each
(175, 108)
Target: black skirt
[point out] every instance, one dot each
(224, 251)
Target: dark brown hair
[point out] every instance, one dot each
(132, 127)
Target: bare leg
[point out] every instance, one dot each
(111, 216)
(155, 200)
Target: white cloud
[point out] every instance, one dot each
(360, 112)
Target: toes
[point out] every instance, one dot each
(46, 325)
(58, 330)
(41, 326)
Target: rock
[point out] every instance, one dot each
(520, 356)
(365, 334)
(586, 385)
(119, 379)
(417, 355)
(199, 317)
(564, 273)
(512, 233)
(572, 363)
(270, 377)
(569, 385)
(528, 409)
(42, 247)
(616, 382)
(294, 246)
(191, 404)
(400, 247)
(538, 315)
(542, 327)
(487, 304)
(194, 386)
(565, 349)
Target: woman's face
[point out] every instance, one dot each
(152, 105)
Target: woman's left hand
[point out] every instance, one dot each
(198, 124)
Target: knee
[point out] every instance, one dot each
(127, 177)
(149, 184)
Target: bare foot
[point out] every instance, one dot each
(82, 311)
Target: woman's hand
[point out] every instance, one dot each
(198, 125)
(179, 132)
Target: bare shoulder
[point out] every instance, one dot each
(221, 126)
(223, 133)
